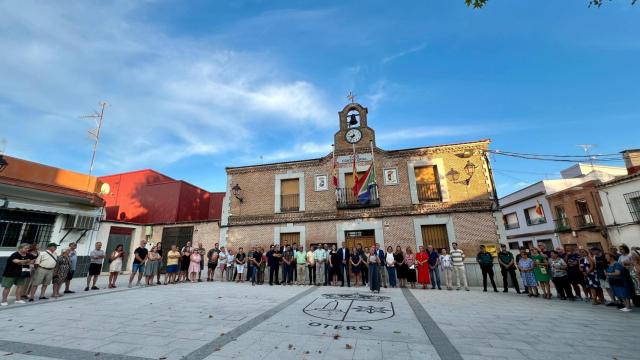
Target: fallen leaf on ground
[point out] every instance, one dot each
(348, 346)
(336, 336)
(290, 346)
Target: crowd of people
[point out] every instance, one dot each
(579, 274)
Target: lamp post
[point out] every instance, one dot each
(454, 175)
(236, 190)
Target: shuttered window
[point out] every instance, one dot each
(290, 195)
(427, 184)
(436, 236)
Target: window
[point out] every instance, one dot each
(527, 244)
(561, 221)
(289, 195)
(633, 202)
(427, 184)
(584, 218)
(436, 236)
(548, 244)
(514, 245)
(535, 215)
(22, 226)
(511, 221)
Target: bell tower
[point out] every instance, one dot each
(353, 128)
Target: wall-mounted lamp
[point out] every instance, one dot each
(3, 163)
(454, 175)
(237, 192)
(465, 154)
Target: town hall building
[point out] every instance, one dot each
(431, 195)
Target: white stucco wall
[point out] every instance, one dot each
(617, 216)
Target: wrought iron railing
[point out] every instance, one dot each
(562, 224)
(584, 221)
(346, 199)
(428, 192)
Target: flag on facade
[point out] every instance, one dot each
(365, 183)
(354, 170)
(539, 209)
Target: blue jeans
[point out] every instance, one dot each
(434, 274)
(392, 276)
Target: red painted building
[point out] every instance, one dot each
(149, 197)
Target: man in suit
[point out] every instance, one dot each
(384, 277)
(345, 256)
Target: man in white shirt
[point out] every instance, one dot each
(44, 264)
(457, 258)
(320, 255)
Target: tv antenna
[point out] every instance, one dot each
(94, 134)
(587, 151)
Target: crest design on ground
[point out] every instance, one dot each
(351, 307)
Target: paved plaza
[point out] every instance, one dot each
(218, 321)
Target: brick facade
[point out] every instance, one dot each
(465, 207)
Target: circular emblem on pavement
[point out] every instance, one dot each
(351, 307)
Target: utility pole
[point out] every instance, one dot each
(94, 134)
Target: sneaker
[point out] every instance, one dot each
(87, 288)
(69, 292)
(30, 300)
(4, 304)
(21, 302)
(626, 309)
(95, 288)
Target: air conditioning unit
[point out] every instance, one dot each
(75, 222)
(148, 230)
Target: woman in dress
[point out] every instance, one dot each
(194, 266)
(390, 263)
(356, 266)
(334, 263)
(526, 267)
(365, 267)
(629, 260)
(401, 267)
(446, 268)
(60, 272)
(541, 271)
(160, 264)
(115, 265)
(620, 285)
(410, 263)
(588, 268)
(222, 262)
(151, 265)
(185, 260)
(374, 274)
(422, 264)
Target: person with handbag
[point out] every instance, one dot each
(44, 264)
(16, 273)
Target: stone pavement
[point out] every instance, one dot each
(238, 321)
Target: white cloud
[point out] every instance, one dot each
(170, 98)
(424, 132)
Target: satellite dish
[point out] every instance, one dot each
(105, 189)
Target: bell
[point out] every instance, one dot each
(353, 120)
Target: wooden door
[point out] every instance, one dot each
(436, 236)
(290, 238)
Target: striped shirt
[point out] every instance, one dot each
(457, 257)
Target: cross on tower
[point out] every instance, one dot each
(352, 97)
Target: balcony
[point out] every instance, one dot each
(428, 192)
(584, 221)
(347, 200)
(562, 224)
(290, 203)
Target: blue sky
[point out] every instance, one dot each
(195, 86)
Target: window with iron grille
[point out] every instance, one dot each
(18, 227)
(633, 202)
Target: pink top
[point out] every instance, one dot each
(195, 258)
(409, 259)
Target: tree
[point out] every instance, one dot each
(477, 4)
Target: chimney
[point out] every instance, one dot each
(631, 160)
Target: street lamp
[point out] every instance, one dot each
(454, 175)
(237, 192)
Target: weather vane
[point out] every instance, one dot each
(352, 97)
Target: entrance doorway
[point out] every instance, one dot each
(178, 235)
(436, 236)
(367, 238)
(118, 236)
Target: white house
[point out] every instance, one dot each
(621, 203)
(41, 204)
(527, 226)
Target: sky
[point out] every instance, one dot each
(195, 86)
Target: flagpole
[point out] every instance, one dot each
(373, 164)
